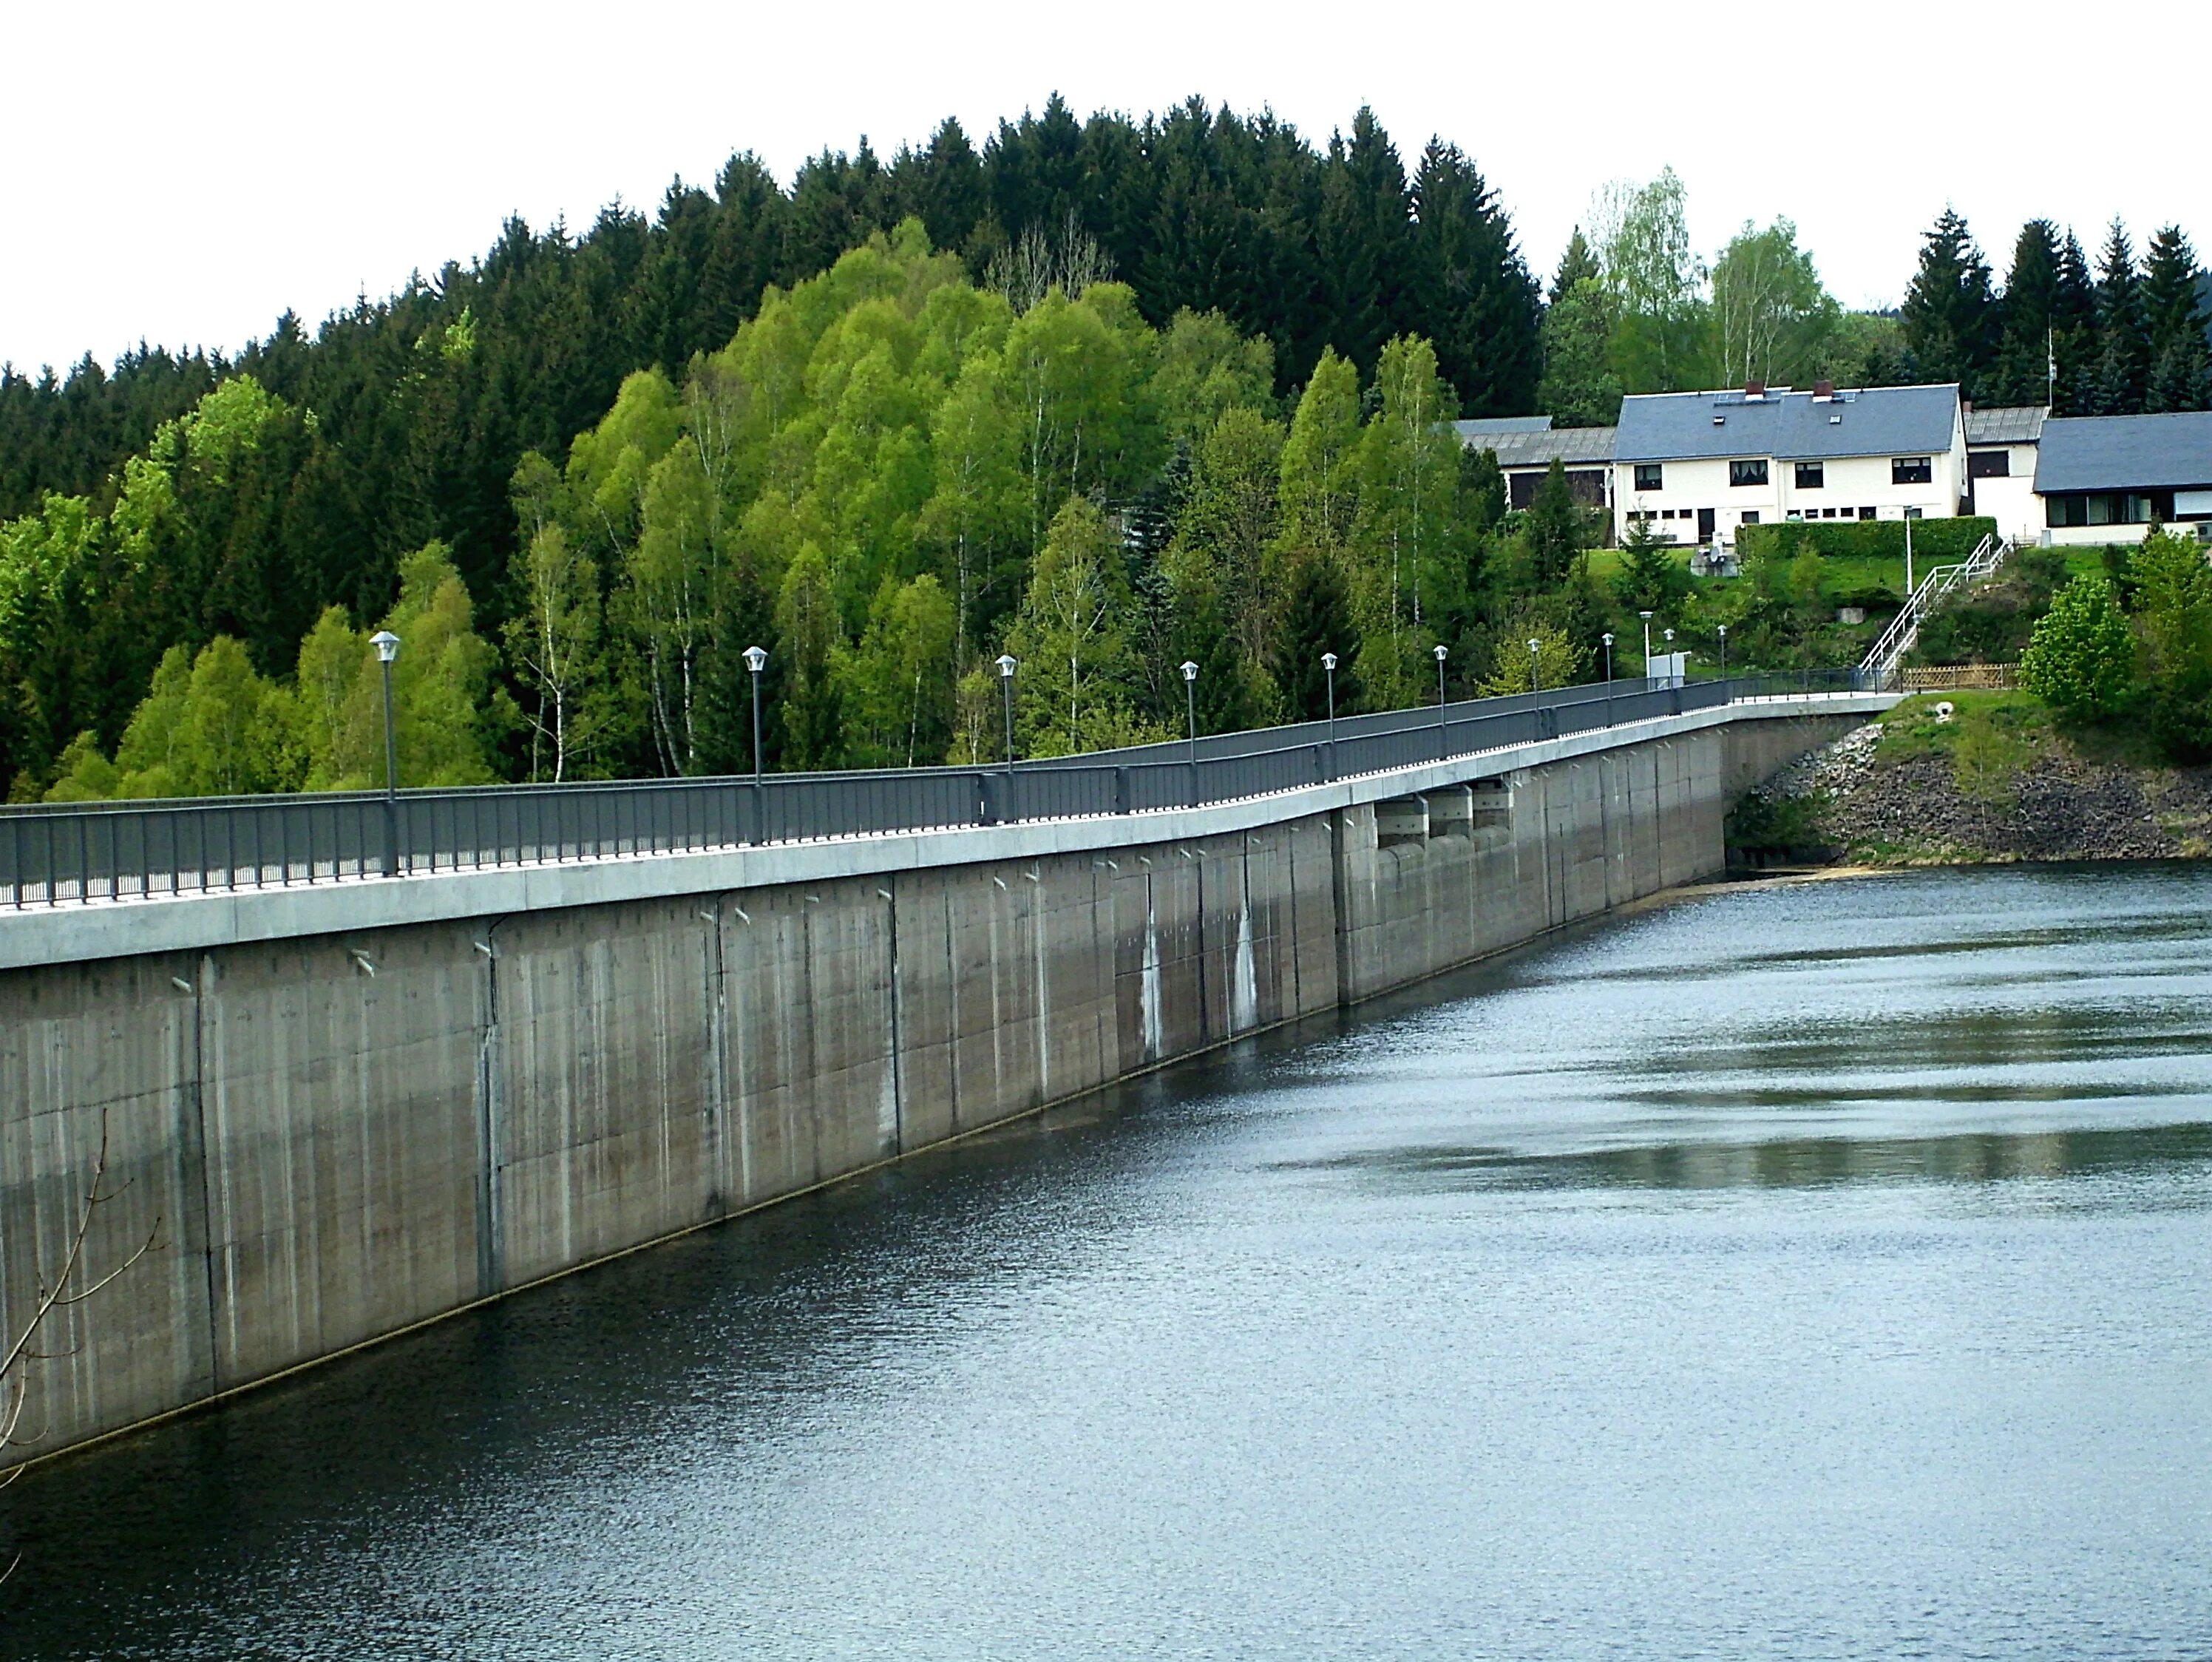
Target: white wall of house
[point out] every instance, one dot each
(2012, 502)
(1848, 485)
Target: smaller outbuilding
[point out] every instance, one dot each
(2001, 452)
(1526, 446)
(2106, 478)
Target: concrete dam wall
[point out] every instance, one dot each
(332, 1132)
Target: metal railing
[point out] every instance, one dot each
(1879, 666)
(72, 853)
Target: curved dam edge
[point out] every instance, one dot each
(334, 1135)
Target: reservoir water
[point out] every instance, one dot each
(1801, 1271)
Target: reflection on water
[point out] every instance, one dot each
(1808, 1271)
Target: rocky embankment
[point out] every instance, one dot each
(1917, 794)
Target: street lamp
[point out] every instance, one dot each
(1535, 684)
(1006, 663)
(1190, 709)
(1443, 739)
(1607, 638)
(387, 648)
(1647, 643)
(1328, 668)
(756, 660)
(1723, 629)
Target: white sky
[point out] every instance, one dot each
(182, 173)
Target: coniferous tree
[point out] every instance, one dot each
(1470, 293)
(1948, 314)
(1362, 238)
(2180, 356)
(1557, 529)
(1317, 618)
(2028, 316)
(2074, 339)
(2117, 377)
(1578, 264)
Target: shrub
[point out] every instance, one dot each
(2081, 659)
(1933, 540)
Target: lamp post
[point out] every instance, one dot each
(1535, 683)
(387, 648)
(1607, 638)
(1006, 663)
(1647, 643)
(1190, 709)
(1328, 668)
(1444, 737)
(1724, 633)
(756, 661)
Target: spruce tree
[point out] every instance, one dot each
(1557, 530)
(1577, 264)
(2122, 365)
(2073, 335)
(1471, 293)
(1948, 314)
(2028, 319)
(2180, 357)
(1316, 619)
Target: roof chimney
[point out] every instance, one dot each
(1754, 389)
(1824, 389)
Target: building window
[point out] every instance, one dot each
(1751, 516)
(1811, 476)
(1650, 476)
(1866, 513)
(1748, 472)
(1989, 464)
(1911, 470)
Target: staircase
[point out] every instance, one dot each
(1878, 669)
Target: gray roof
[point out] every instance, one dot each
(1491, 427)
(1577, 447)
(2125, 452)
(2011, 424)
(1875, 421)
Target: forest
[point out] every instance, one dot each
(1105, 395)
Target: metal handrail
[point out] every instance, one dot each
(54, 853)
(1879, 666)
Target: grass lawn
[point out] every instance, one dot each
(1993, 734)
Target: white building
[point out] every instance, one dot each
(1696, 467)
(2002, 447)
(2109, 478)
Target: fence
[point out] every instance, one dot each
(58, 853)
(1956, 678)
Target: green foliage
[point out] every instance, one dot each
(1652, 577)
(1580, 388)
(1992, 622)
(1077, 691)
(1772, 320)
(1317, 618)
(2081, 659)
(1949, 313)
(1556, 531)
(1556, 661)
(2173, 600)
(1934, 541)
